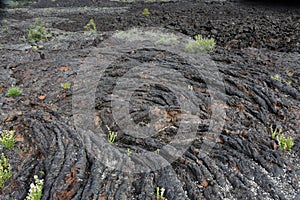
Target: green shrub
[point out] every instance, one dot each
(160, 193)
(7, 139)
(35, 191)
(146, 12)
(200, 45)
(128, 152)
(37, 33)
(276, 77)
(66, 86)
(111, 135)
(4, 171)
(275, 132)
(90, 26)
(284, 143)
(14, 91)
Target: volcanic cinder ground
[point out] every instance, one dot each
(142, 113)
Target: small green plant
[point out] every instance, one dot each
(66, 86)
(37, 47)
(35, 191)
(128, 152)
(42, 173)
(7, 139)
(290, 74)
(200, 45)
(14, 92)
(4, 171)
(90, 26)
(275, 132)
(157, 151)
(160, 193)
(37, 33)
(289, 83)
(276, 77)
(111, 135)
(146, 12)
(284, 143)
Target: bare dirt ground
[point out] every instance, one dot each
(230, 95)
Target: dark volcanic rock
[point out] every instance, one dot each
(205, 119)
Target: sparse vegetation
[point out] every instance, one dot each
(66, 86)
(7, 139)
(146, 12)
(180, 125)
(200, 45)
(160, 193)
(90, 26)
(290, 74)
(168, 40)
(5, 173)
(21, 2)
(37, 33)
(37, 47)
(275, 132)
(128, 152)
(111, 135)
(14, 92)
(157, 151)
(289, 83)
(276, 77)
(284, 143)
(35, 191)
(156, 36)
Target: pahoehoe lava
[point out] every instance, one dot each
(255, 42)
